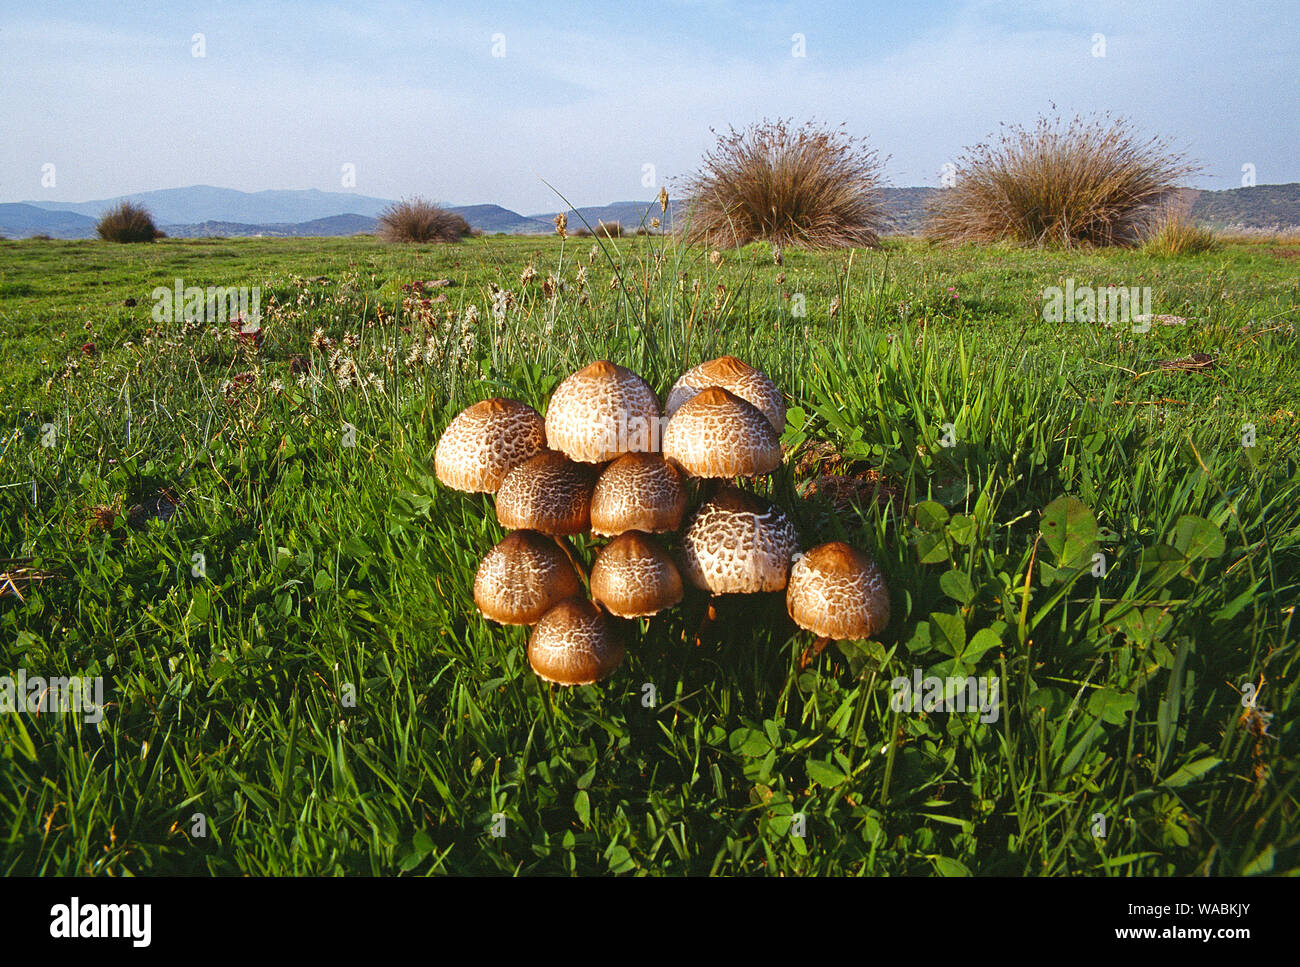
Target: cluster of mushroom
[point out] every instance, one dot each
(592, 465)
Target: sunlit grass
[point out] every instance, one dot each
(326, 694)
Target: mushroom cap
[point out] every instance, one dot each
(717, 434)
(485, 441)
(548, 493)
(634, 577)
(737, 543)
(522, 578)
(600, 411)
(638, 491)
(574, 644)
(735, 376)
(837, 591)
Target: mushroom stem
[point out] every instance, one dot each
(710, 616)
(577, 565)
(812, 651)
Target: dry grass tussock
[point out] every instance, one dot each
(1092, 181)
(1173, 231)
(805, 186)
(128, 222)
(418, 220)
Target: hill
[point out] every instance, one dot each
(631, 215)
(493, 218)
(20, 220)
(1263, 206)
(203, 210)
(200, 203)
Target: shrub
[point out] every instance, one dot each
(609, 229)
(127, 222)
(418, 220)
(1174, 232)
(1091, 182)
(808, 186)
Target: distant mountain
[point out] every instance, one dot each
(631, 215)
(1264, 206)
(350, 224)
(18, 220)
(201, 203)
(905, 209)
(204, 211)
(493, 218)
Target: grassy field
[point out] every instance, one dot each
(294, 653)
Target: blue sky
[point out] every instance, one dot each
(588, 94)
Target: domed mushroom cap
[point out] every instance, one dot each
(573, 644)
(638, 491)
(548, 493)
(634, 577)
(717, 434)
(735, 376)
(484, 442)
(837, 591)
(600, 411)
(522, 578)
(737, 543)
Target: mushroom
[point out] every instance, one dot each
(838, 593)
(634, 577)
(549, 493)
(522, 578)
(638, 491)
(484, 442)
(737, 543)
(573, 644)
(600, 411)
(717, 434)
(735, 376)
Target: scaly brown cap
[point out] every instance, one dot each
(735, 376)
(717, 434)
(522, 578)
(837, 591)
(601, 411)
(638, 491)
(737, 543)
(573, 644)
(549, 493)
(484, 442)
(634, 577)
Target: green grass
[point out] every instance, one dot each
(327, 696)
